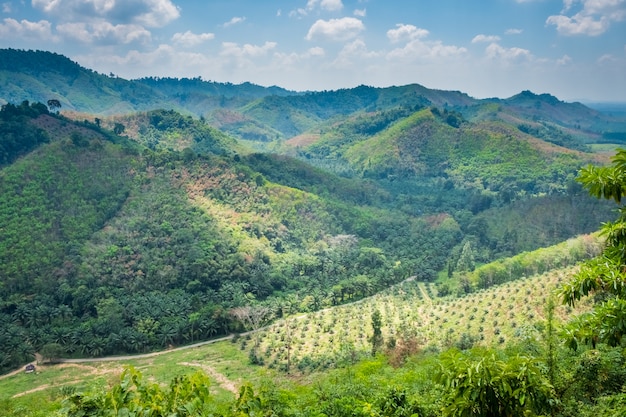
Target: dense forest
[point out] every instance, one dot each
(144, 215)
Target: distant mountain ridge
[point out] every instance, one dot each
(266, 114)
(40, 76)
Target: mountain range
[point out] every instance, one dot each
(137, 213)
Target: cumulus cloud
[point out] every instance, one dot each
(104, 33)
(6, 7)
(485, 38)
(593, 19)
(353, 51)
(496, 51)
(163, 61)
(564, 60)
(151, 13)
(292, 60)
(404, 32)
(513, 31)
(327, 5)
(247, 50)
(336, 29)
(425, 50)
(331, 5)
(234, 21)
(360, 12)
(191, 39)
(11, 28)
(315, 51)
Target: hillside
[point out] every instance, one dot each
(179, 219)
(268, 114)
(39, 76)
(373, 236)
(305, 357)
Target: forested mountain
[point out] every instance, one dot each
(145, 214)
(267, 114)
(98, 229)
(39, 76)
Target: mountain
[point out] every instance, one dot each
(139, 215)
(38, 76)
(264, 115)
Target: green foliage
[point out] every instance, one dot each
(18, 135)
(377, 335)
(132, 396)
(483, 383)
(539, 261)
(604, 275)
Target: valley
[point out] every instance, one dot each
(317, 253)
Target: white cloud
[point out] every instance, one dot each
(606, 58)
(293, 60)
(595, 17)
(11, 28)
(151, 13)
(247, 50)
(315, 51)
(495, 51)
(234, 21)
(6, 7)
(405, 33)
(564, 60)
(360, 12)
(353, 51)
(336, 29)
(513, 31)
(485, 38)
(327, 5)
(104, 33)
(425, 50)
(191, 39)
(579, 25)
(331, 5)
(163, 61)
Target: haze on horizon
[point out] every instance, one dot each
(573, 49)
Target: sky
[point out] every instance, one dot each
(573, 49)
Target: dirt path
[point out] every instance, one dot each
(124, 357)
(17, 371)
(221, 379)
(207, 342)
(145, 355)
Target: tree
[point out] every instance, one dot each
(605, 275)
(52, 352)
(253, 318)
(479, 383)
(377, 335)
(119, 128)
(54, 104)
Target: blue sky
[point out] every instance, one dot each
(574, 49)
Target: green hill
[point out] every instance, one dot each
(269, 114)
(139, 218)
(39, 76)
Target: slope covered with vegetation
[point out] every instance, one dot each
(394, 221)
